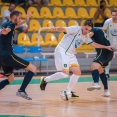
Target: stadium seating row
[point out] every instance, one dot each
(57, 12)
(50, 40)
(34, 25)
(75, 3)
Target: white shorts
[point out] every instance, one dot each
(63, 62)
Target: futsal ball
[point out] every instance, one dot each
(65, 94)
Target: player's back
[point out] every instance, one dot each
(100, 37)
(6, 40)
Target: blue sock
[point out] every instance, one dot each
(26, 80)
(3, 83)
(104, 80)
(95, 75)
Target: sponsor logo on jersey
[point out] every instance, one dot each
(113, 32)
(78, 42)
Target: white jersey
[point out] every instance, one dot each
(6, 14)
(111, 28)
(72, 40)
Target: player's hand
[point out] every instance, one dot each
(27, 16)
(4, 31)
(111, 48)
(54, 29)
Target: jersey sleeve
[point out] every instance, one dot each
(105, 26)
(11, 26)
(72, 29)
(88, 40)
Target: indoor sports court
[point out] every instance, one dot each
(35, 41)
(49, 103)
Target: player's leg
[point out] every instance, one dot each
(8, 71)
(95, 74)
(19, 63)
(75, 68)
(61, 63)
(107, 70)
(103, 78)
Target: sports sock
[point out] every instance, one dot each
(95, 75)
(107, 68)
(26, 80)
(3, 83)
(104, 80)
(72, 82)
(55, 76)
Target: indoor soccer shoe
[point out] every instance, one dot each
(74, 96)
(42, 83)
(23, 94)
(106, 93)
(94, 86)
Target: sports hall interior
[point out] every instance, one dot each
(48, 103)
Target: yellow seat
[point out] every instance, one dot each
(45, 12)
(91, 3)
(47, 23)
(92, 12)
(80, 3)
(82, 13)
(58, 13)
(23, 39)
(3, 9)
(107, 4)
(72, 23)
(34, 12)
(60, 36)
(113, 2)
(82, 22)
(34, 39)
(34, 25)
(56, 3)
(70, 13)
(60, 23)
(51, 39)
(68, 2)
(88, 48)
(1, 3)
(22, 11)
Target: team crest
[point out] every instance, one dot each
(65, 65)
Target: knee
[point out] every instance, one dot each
(65, 74)
(10, 79)
(34, 69)
(78, 73)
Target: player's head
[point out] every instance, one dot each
(12, 7)
(114, 15)
(86, 28)
(15, 16)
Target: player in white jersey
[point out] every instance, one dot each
(65, 58)
(110, 26)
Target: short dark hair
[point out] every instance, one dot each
(12, 3)
(89, 23)
(15, 12)
(102, 1)
(113, 10)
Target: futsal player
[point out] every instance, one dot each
(65, 58)
(110, 26)
(101, 60)
(8, 60)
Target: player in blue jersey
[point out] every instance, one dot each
(8, 60)
(101, 60)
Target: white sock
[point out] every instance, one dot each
(55, 76)
(107, 68)
(72, 82)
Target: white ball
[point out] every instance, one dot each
(65, 94)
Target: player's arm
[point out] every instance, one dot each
(96, 45)
(24, 21)
(58, 29)
(5, 31)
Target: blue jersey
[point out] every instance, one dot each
(101, 38)
(6, 40)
